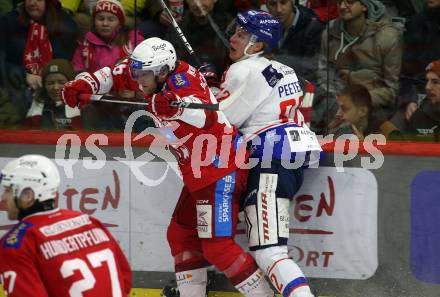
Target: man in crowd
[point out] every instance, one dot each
(361, 47)
(299, 45)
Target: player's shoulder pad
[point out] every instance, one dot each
(15, 236)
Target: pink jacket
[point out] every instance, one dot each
(93, 53)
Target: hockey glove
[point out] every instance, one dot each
(208, 70)
(307, 100)
(161, 105)
(76, 93)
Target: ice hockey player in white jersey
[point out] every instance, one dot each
(261, 97)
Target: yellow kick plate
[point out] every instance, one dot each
(137, 292)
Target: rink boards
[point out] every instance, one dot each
(352, 232)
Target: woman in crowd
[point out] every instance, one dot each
(48, 110)
(108, 41)
(30, 36)
(35, 33)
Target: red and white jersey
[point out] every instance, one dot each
(62, 253)
(206, 142)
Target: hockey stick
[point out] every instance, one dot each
(180, 33)
(181, 104)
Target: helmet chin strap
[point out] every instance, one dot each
(251, 42)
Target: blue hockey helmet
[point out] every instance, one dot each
(261, 24)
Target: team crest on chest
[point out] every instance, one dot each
(180, 80)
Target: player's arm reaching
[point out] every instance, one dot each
(120, 77)
(117, 77)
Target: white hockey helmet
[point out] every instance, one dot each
(31, 171)
(152, 54)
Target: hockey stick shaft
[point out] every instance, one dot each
(180, 34)
(181, 104)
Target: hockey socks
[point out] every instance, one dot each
(255, 286)
(283, 272)
(247, 278)
(192, 283)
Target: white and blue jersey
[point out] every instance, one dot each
(261, 97)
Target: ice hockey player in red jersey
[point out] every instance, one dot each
(51, 251)
(202, 228)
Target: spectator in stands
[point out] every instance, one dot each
(363, 48)
(201, 35)
(109, 40)
(151, 19)
(302, 36)
(48, 110)
(425, 120)
(421, 46)
(44, 16)
(34, 33)
(81, 12)
(356, 115)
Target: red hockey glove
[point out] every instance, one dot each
(208, 70)
(307, 101)
(76, 92)
(160, 105)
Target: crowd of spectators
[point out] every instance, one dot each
(374, 64)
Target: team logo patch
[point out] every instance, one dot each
(271, 75)
(294, 135)
(204, 219)
(15, 236)
(179, 80)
